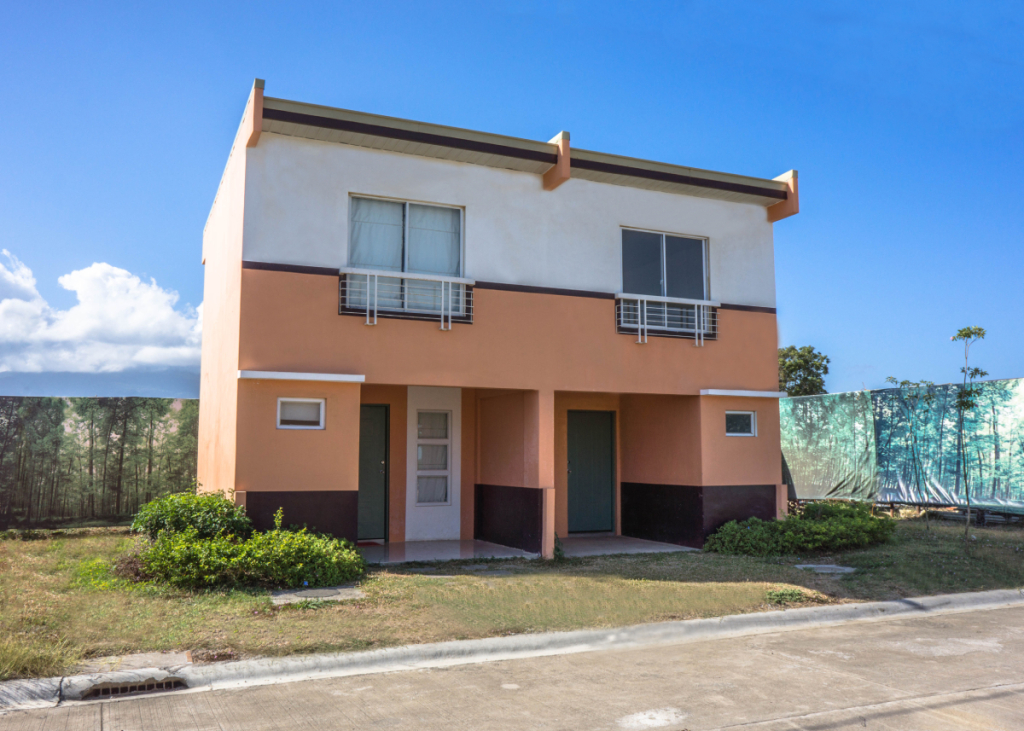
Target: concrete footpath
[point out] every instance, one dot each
(961, 670)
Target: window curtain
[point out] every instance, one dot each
(378, 231)
(435, 247)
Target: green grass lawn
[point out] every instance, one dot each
(59, 602)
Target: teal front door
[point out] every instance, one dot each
(591, 471)
(373, 472)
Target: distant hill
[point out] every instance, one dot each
(164, 383)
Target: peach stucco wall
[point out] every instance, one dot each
(501, 433)
(469, 463)
(396, 399)
(661, 439)
(218, 383)
(297, 459)
(290, 322)
(729, 460)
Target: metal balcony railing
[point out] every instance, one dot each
(409, 296)
(667, 316)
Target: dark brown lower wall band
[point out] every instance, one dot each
(737, 502)
(686, 514)
(335, 512)
(665, 513)
(509, 516)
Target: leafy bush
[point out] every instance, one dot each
(208, 515)
(276, 558)
(784, 596)
(821, 527)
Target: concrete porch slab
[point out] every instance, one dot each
(438, 551)
(606, 545)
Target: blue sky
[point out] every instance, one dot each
(905, 120)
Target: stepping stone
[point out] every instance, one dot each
(826, 568)
(495, 573)
(475, 567)
(424, 570)
(324, 594)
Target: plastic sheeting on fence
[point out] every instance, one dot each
(903, 445)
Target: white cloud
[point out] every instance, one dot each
(119, 322)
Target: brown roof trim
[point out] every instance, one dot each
(522, 288)
(545, 290)
(292, 268)
(748, 308)
(635, 172)
(459, 143)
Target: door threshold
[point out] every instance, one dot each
(370, 542)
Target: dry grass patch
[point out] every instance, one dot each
(59, 601)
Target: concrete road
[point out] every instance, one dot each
(956, 672)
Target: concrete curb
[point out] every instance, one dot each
(21, 694)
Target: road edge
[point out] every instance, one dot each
(48, 692)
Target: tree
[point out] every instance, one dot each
(802, 371)
(966, 401)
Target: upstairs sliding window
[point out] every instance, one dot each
(390, 236)
(663, 266)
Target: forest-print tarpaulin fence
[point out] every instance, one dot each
(92, 459)
(904, 446)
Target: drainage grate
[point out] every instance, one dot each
(107, 690)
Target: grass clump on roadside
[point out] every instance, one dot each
(819, 528)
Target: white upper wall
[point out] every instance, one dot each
(296, 212)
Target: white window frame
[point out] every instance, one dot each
(323, 412)
(405, 232)
(664, 274)
(434, 473)
(753, 424)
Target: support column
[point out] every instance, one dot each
(539, 458)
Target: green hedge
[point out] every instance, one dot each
(274, 559)
(209, 515)
(821, 527)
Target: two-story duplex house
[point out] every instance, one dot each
(415, 332)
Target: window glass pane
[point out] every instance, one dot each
(739, 423)
(684, 267)
(432, 489)
(300, 413)
(432, 457)
(377, 233)
(641, 262)
(434, 241)
(432, 425)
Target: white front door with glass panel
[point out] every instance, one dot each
(432, 504)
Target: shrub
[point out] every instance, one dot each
(274, 559)
(208, 515)
(821, 527)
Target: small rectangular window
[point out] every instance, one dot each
(741, 423)
(300, 413)
(433, 450)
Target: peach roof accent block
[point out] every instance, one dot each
(562, 169)
(252, 120)
(790, 206)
